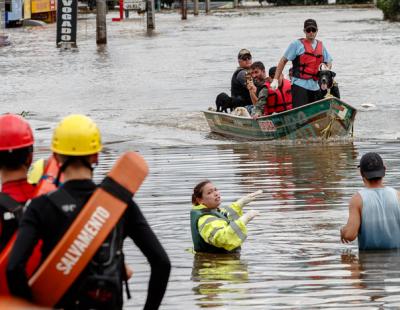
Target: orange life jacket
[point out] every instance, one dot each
(279, 100)
(45, 185)
(305, 66)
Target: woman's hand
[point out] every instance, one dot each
(248, 198)
(248, 216)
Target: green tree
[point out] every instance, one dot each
(390, 9)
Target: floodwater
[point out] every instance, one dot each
(146, 93)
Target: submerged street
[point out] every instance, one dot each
(146, 92)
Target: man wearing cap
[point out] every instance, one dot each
(306, 55)
(374, 212)
(240, 95)
(239, 92)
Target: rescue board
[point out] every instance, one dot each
(88, 231)
(45, 185)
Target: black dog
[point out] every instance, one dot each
(326, 83)
(223, 103)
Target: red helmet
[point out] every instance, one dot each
(15, 132)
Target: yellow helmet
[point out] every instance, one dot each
(76, 135)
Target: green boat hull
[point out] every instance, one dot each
(329, 117)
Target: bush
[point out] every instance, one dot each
(311, 2)
(353, 1)
(390, 9)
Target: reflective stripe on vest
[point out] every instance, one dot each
(199, 244)
(237, 230)
(209, 220)
(279, 100)
(232, 213)
(306, 66)
(211, 236)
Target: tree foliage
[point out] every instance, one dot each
(390, 9)
(353, 1)
(311, 2)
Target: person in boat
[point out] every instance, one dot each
(214, 229)
(240, 96)
(306, 54)
(76, 144)
(16, 153)
(279, 99)
(374, 211)
(271, 101)
(257, 87)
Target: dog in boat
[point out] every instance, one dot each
(241, 111)
(326, 82)
(223, 103)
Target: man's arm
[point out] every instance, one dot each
(327, 58)
(280, 67)
(261, 102)
(27, 238)
(350, 231)
(293, 50)
(253, 92)
(143, 236)
(241, 77)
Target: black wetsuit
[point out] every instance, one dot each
(43, 220)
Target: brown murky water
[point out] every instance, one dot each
(146, 92)
(293, 257)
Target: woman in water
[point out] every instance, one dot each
(214, 229)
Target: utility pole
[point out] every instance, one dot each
(2, 15)
(101, 25)
(3, 36)
(195, 7)
(184, 9)
(150, 15)
(207, 6)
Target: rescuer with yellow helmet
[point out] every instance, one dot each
(214, 229)
(76, 144)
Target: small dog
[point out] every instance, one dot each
(327, 83)
(241, 111)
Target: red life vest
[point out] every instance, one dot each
(279, 100)
(19, 190)
(305, 66)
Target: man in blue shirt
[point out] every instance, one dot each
(306, 55)
(374, 211)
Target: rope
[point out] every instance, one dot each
(352, 130)
(327, 131)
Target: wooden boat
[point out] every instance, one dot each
(329, 117)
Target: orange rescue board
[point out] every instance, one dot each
(45, 185)
(86, 234)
